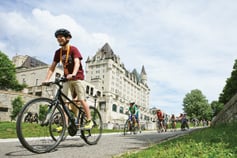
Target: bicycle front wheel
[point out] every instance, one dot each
(92, 136)
(127, 128)
(36, 136)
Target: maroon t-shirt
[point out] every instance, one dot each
(74, 53)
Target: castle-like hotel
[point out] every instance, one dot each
(109, 85)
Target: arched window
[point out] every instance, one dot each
(114, 107)
(92, 91)
(87, 89)
(121, 110)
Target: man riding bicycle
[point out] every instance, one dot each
(133, 114)
(70, 57)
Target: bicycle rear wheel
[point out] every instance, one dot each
(92, 136)
(37, 137)
(55, 122)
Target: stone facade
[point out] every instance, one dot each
(228, 113)
(6, 98)
(119, 86)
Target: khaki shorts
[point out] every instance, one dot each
(75, 86)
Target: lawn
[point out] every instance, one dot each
(212, 142)
(8, 130)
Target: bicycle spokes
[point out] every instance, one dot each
(36, 132)
(92, 136)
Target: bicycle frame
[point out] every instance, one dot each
(58, 99)
(60, 95)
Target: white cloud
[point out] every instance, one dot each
(183, 45)
(34, 34)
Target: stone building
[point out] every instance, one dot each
(118, 85)
(32, 72)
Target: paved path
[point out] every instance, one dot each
(108, 146)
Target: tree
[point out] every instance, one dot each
(230, 88)
(216, 107)
(17, 104)
(196, 105)
(42, 112)
(8, 74)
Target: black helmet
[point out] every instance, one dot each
(63, 32)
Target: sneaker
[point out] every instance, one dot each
(59, 129)
(89, 124)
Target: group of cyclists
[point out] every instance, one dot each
(162, 119)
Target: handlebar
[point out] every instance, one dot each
(57, 81)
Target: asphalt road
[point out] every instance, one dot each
(109, 145)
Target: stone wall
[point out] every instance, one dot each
(6, 98)
(229, 112)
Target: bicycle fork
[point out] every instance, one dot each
(50, 111)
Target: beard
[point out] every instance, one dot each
(64, 43)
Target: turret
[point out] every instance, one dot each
(143, 75)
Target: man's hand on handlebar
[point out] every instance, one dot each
(70, 76)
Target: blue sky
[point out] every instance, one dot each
(183, 44)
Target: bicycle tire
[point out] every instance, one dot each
(126, 129)
(92, 136)
(135, 130)
(36, 137)
(56, 120)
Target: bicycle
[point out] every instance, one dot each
(160, 126)
(43, 136)
(173, 125)
(130, 126)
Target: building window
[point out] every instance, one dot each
(121, 110)
(38, 93)
(3, 109)
(102, 106)
(87, 89)
(114, 108)
(92, 89)
(98, 93)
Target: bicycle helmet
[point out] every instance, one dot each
(63, 32)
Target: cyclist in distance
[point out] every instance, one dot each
(173, 122)
(133, 111)
(70, 57)
(160, 118)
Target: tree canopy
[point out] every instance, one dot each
(230, 88)
(8, 74)
(196, 105)
(216, 107)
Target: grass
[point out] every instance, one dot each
(213, 142)
(8, 130)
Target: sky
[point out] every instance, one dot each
(183, 45)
